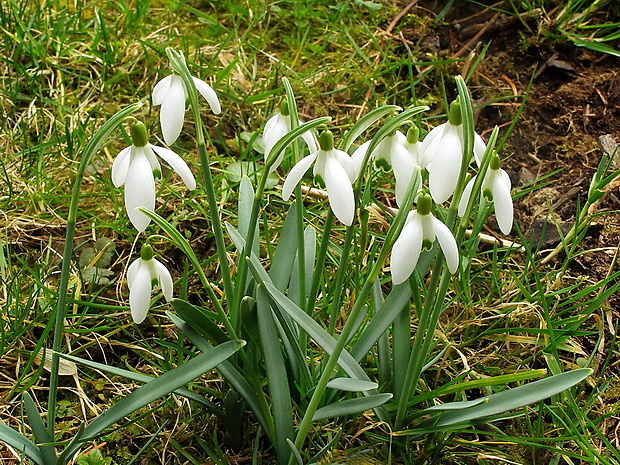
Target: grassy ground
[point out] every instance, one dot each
(66, 67)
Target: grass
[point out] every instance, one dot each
(68, 66)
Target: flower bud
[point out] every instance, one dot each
(413, 134)
(494, 163)
(284, 110)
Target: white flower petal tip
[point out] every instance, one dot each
(504, 209)
(171, 94)
(140, 277)
(408, 246)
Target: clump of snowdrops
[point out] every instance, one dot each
(296, 345)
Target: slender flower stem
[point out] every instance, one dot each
(93, 147)
(179, 65)
(342, 269)
(320, 262)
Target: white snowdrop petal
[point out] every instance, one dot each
(160, 90)
(358, 157)
(347, 163)
(209, 94)
(427, 148)
(150, 156)
(139, 191)
(177, 164)
(339, 190)
(465, 197)
(504, 210)
(165, 279)
(296, 173)
(120, 166)
(406, 252)
(132, 270)
(446, 166)
(140, 294)
(273, 133)
(403, 165)
(310, 140)
(173, 111)
(448, 245)
(479, 148)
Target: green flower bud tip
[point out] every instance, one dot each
(413, 134)
(139, 136)
(425, 203)
(146, 252)
(284, 110)
(494, 163)
(326, 140)
(454, 115)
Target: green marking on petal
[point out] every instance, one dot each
(157, 174)
(318, 180)
(487, 194)
(427, 244)
(383, 164)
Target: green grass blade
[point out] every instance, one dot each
(365, 122)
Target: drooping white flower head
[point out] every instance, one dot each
(171, 94)
(142, 275)
(336, 170)
(276, 128)
(392, 153)
(420, 231)
(135, 166)
(496, 187)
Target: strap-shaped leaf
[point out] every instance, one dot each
(351, 384)
(509, 399)
(365, 122)
(199, 319)
(139, 377)
(20, 443)
(351, 406)
(162, 386)
(39, 430)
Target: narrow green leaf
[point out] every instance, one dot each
(199, 319)
(365, 122)
(381, 321)
(457, 405)
(20, 443)
(351, 406)
(296, 453)
(286, 250)
(232, 375)
(39, 430)
(351, 384)
(277, 378)
(139, 377)
(162, 386)
(511, 399)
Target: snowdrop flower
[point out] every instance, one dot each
(276, 128)
(496, 187)
(420, 231)
(171, 94)
(442, 151)
(144, 273)
(394, 153)
(136, 167)
(335, 169)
